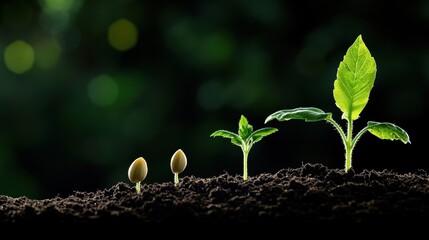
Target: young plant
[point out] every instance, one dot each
(355, 79)
(137, 172)
(245, 138)
(178, 164)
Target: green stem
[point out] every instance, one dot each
(339, 129)
(245, 156)
(349, 145)
(176, 179)
(349, 151)
(347, 140)
(138, 187)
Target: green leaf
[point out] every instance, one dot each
(309, 114)
(355, 79)
(244, 128)
(243, 122)
(235, 139)
(388, 131)
(257, 135)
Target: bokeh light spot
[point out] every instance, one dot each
(122, 35)
(103, 90)
(19, 57)
(48, 53)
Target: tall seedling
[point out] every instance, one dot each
(355, 79)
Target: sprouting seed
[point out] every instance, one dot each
(137, 172)
(178, 164)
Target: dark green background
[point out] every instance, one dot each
(196, 67)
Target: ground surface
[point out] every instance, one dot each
(310, 193)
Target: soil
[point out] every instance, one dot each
(307, 194)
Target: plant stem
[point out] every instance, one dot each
(245, 147)
(245, 156)
(339, 129)
(176, 179)
(349, 151)
(138, 187)
(349, 145)
(347, 140)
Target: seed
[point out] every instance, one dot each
(138, 170)
(178, 161)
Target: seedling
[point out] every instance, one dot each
(178, 164)
(355, 79)
(137, 172)
(245, 138)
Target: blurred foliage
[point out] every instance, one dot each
(88, 86)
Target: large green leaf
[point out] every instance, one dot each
(235, 139)
(257, 135)
(355, 79)
(244, 128)
(388, 131)
(309, 114)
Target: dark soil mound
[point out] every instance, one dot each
(309, 193)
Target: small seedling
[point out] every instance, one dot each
(245, 138)
(355, 79)
(178, 164)
(137, 172)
